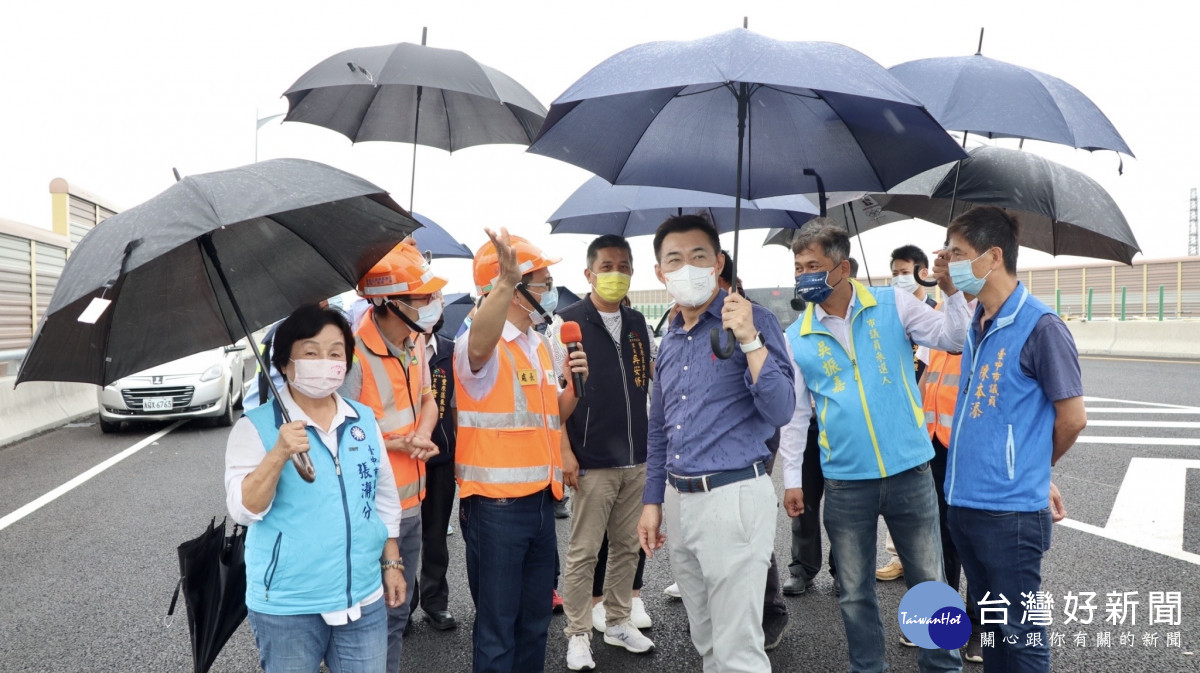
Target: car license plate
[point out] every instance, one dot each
(156, 404)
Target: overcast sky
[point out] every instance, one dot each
(112, 95)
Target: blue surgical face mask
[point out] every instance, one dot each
(962, 274)
(814, 286)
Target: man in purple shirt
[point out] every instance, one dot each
(709, 423)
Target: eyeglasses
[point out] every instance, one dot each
(547, 286)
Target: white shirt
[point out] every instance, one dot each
(944, 330)
(479, 384)
(244, 452)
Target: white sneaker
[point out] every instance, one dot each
(579, 653)
(627, 635)
(598, 617)
(673, 591)
(638, 614)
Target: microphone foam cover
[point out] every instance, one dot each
(569, 332)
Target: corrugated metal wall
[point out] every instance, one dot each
(16, 316)
(1067, 287)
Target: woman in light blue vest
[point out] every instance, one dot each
(321, 558)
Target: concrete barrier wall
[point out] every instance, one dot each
(1167, 339)
(37, 406)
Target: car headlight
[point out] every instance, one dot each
(211, 373)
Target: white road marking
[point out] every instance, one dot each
(1143, 424)
(1144, 404)
(1149, 510)
(1105, 533)
(33, 506)
(1135, 410)
(1140, 441)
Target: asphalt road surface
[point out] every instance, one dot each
(86, 576)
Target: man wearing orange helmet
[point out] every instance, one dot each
(508, 462)
(390, 376)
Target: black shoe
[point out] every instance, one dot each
(560, 508)
(773, 630)
(973, 652)
(441, 620)
(794, 586)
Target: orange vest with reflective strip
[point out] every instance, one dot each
(940, 393)
(508, 442)
(397, 403)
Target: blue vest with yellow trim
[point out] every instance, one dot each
(868, 405)
(318, 548)
(1003, 433)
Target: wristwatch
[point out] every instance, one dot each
(754, 345)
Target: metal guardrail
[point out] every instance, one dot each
(10, 360)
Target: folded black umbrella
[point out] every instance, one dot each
(212, 577)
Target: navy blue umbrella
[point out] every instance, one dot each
(739, 113)
(437, 241)
(981, 95)
(626, 210)
(667, 114)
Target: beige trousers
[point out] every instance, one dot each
(606, 500)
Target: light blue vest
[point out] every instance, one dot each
(318, 548)
(1003, 423)
(868, 405)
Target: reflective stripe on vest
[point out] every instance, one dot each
(506, 475)
(384, 379)
(393, 420)
(940, 394)
(519, 418)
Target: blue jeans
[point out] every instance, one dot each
(410, 551)
(511, 552)
(908, 504)
(1001, 552)
(298, 643)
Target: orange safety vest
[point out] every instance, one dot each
(397, 404)
(508, 442)
(940, 393)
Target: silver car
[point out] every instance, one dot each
(210, 384)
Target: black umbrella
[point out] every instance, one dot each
(1061, 211)
(856, 215)
(455, 312)
(208, 261)
(412, 93)
(212, 576)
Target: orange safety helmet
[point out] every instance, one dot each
(404, 270)
(487, 262)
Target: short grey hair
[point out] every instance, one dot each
(833, 240)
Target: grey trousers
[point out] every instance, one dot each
(721, 544)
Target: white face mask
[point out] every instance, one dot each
(906, 282)
(318, 378)
(691, 285)
(429, 314)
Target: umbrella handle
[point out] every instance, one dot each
(917, 268)
(714, 339)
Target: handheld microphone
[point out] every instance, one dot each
(571, 336)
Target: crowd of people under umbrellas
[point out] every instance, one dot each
(943, 418)
(393, 415)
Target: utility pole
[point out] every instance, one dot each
(1193, 227)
